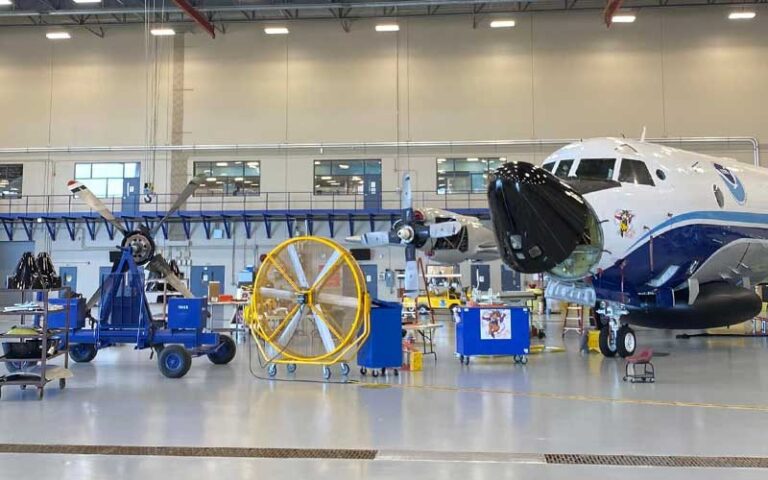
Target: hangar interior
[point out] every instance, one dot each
(302, 119)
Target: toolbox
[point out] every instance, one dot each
(187, 313)
(491, 330)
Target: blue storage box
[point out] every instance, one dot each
(76, 313)
(493, 331)
(383, 348)
(187, 313)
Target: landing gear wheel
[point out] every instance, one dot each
(82, 352)
(224, 352)
(345, 369)
(363, 371)
(272, 370)
(174, 361)
(142, 246)
(290, 368)
(626, 342)
(607, 345)
(326, 373)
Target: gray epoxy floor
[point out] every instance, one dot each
(709, 399)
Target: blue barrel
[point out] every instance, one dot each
(383, 348)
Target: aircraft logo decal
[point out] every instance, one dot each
(733, 183)
(624, 220)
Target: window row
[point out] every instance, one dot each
(630, 170)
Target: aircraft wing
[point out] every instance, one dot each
(743, 262)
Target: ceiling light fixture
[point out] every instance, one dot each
(163, 32)
(388, 27)
(87, 1)
(742, 15)
(276, 30)
(58, 35)
(624, 18)
(5, 3)
(502, 23)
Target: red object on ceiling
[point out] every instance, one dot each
(610, 9)
(197, 16)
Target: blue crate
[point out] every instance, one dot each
(383, 348)
(187, 313)
(76, 313)
(474, 335)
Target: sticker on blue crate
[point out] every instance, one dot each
(494, 324)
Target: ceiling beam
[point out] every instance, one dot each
(196, 16)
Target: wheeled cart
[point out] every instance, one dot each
(383, 348)
(490, 330)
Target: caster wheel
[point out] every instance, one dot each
(326, 373)
(524, 359)
(62, 383)
(291, 367)
(396, 372)
(345, 369)
(516, 358)
(383, 372)
(375, 373)
(466, 360)
(363, 371)
(461, 359)
(272, 370)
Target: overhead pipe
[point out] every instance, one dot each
(196, 16)
(239, 147)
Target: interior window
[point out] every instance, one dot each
(549, 166)
(563, 168)
(596, 168)
(634, 171)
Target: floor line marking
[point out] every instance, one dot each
(583, 398)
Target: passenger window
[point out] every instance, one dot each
(563, 168)
(635, 171)
(549, 166)
(596, 169)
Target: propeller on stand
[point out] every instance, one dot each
(140, 241)
(411, 232)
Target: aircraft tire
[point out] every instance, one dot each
(605, 346)
(626, 342)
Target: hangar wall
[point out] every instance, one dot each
(552, 76)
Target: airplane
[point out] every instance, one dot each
(660, 237)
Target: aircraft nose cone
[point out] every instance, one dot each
(537, 219)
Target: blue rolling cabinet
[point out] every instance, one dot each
(493, 331)
(383, 348)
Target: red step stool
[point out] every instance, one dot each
(641, 367)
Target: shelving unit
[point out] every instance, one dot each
(47, 337)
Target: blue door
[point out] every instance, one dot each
(510, 280)
(372, 192)
(371, 272)
(68, 277)
(201, 275)
(481, 277)
(131, 194)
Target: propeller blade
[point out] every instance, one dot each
(411, 283)
(375, 239)
(406, 200)
(159, 265)
(183, 196)
(444, 229)
(93, 201)
(354, 239)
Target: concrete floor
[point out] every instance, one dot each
(709, 400)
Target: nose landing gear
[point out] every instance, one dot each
(616, 338)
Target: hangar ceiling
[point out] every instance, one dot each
(95, 16)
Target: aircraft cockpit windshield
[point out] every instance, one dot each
(596, 169)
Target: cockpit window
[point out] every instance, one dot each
(549, 166)
(563, 168)
(596, 169)
(635, 171)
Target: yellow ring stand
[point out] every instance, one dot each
(309, 304)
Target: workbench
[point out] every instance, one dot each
(427, 333)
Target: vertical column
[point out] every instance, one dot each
(179, 172)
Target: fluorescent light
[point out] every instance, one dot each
(221, 164)
(343, 166)
(276, 30)
(623, 18)
(325, 178)
(238, 179)
(472, 159)
(742, 15)
(210, 179)
(6, 2)
(162, 32)
(58, 35)
(502, 23)
(388, 27)
(87, 1)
